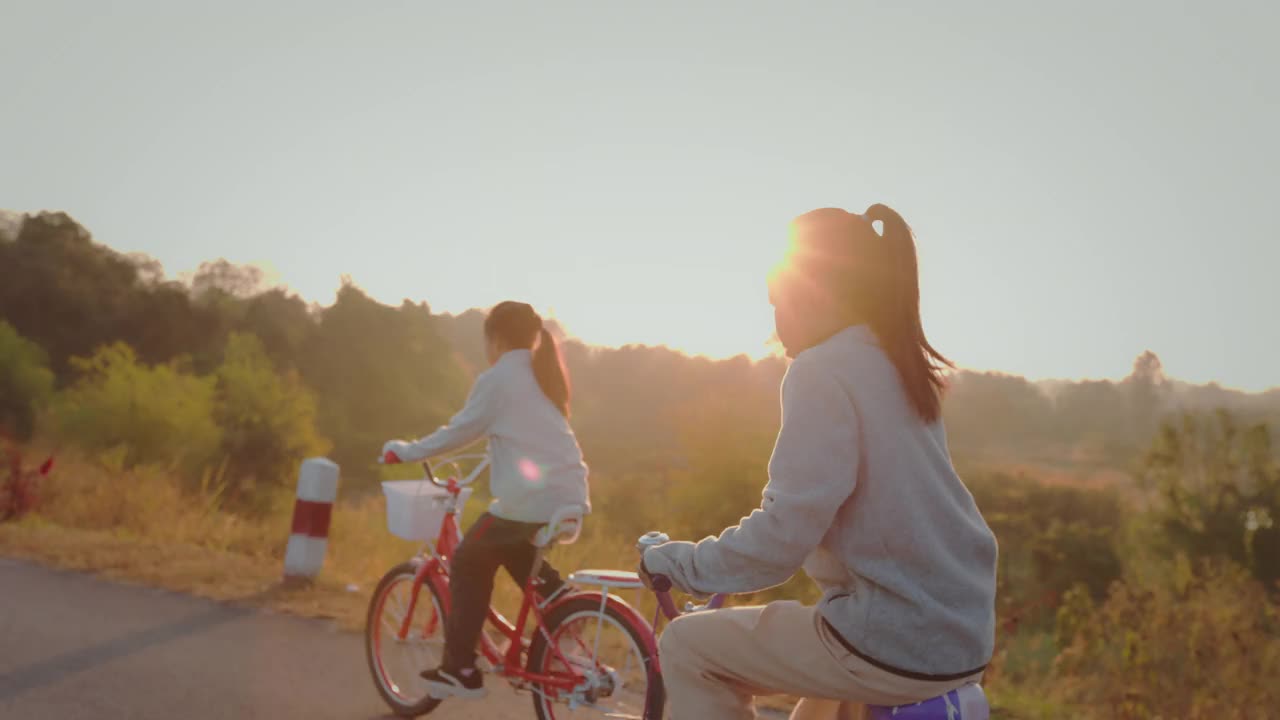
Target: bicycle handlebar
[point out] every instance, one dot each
(391, 458)
(662, 585)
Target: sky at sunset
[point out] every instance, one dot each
(1086, 180)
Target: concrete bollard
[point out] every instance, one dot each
(309, 537)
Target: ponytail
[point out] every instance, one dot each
(517, 325)
(548, 368)
(895, 317)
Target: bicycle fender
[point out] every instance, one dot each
(623, 608)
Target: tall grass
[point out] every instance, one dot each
(146, 503)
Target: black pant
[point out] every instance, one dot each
(491, 542)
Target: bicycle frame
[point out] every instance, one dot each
(435, 568)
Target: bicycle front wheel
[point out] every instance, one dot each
(394, 661)
(607, 646)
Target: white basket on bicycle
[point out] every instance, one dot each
(415, 508)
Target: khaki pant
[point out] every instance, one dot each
(714, 663)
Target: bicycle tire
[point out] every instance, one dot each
(397, 705)
(587, 604)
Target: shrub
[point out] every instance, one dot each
(154, 414)
(1201, 644)
(26, 383)
(267, 419)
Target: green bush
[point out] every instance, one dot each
(267, 419)
(1217, 491)
(145, 414)
(26, 383)
(1051, 538)
(1067, 553)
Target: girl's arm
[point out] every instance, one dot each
(471, 423)
(811, 474)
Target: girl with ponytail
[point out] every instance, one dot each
(862, 495)
(521, 404)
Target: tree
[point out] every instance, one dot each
(71, 296)
(381, 372)
(465, 335)
(150, 271)
(227, 278)
(1217, 487)
(996, 412)
(1145, 390)
(26, 383)
(62, 290)
(267, 419)
(1094, 415)
(10, 225)
(283, 323)
(157, 414)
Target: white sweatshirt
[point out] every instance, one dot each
(536, 464)
(862, 494)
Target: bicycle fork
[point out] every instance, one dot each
(419, 579)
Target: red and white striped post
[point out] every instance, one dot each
(309, 537)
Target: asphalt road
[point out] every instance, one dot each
(75, 647)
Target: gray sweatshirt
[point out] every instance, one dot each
(863, 495)
(536, 465)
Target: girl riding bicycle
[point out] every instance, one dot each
(521, 403)
(861, 493)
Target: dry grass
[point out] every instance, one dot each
(140, 525)
(191, 569)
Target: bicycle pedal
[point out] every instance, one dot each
(519, 684)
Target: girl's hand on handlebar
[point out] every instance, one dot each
(643, 572)
(655, 583)
(395, 452)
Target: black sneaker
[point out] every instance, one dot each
(467, 684)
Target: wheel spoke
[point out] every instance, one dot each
(392, 625)
(401, 610)
(610, 690)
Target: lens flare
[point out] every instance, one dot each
(529, 469)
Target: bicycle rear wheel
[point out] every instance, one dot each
(393, 662)
(611, 649)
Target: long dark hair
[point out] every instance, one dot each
(875, 276)
(518, 326)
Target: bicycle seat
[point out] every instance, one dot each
(564, 528)
(964, 703)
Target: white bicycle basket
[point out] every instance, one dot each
(415, 508)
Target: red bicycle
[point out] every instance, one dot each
(587, 652)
